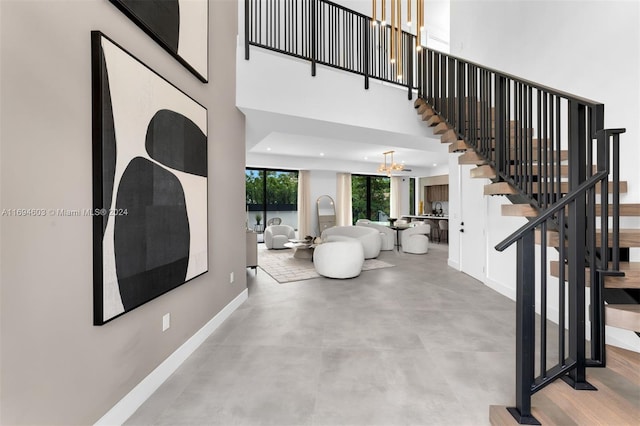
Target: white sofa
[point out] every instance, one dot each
(275, 236)
(387, 235)
(415, 240)
(369, 237)
(339, 259)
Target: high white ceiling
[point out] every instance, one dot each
(288, 142)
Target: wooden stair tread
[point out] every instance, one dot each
(499, 188)
(628, 238)
(441, 128)
(471, 157)
(433, 120)
(520, 210)
(564, 187)
(449, 136)
(514, 156)
(549, 169)
(427, 114)
(625, 209)
(485, 171)
(459, 146)
(623, 316)
(631, 278)
(418, 102)
(422, 108)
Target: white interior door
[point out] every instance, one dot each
(473, 211)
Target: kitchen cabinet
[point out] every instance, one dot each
(437, 193)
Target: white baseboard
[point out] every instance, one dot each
(454, 264)
(138, 395)
(501, 288)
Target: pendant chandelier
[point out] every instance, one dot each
(389, 167)
(395, 51)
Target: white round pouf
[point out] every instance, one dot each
(339, 259)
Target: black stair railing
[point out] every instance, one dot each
(550, 146)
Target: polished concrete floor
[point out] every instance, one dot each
(416, 344)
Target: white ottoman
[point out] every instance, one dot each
(339, 259)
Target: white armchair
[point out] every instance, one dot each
(275, 236)
(387, 235)
(415, 240)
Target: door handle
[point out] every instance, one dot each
(462, 230)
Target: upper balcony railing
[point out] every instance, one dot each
(329, 34)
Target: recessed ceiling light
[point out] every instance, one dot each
(322, 154)
(366, 158)
(435, 164)
(269, 149)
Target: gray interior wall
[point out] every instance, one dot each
(57, 368)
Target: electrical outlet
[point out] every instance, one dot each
(166, 322)
(231, 278)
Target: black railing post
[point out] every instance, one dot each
(367, 47)
(576, 241)
(313, 37)
(525, 329)
(500, 121)
(462, 99)
(409, 52)
(246, 30)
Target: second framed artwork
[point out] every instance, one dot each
(181, 27)
(150, 183)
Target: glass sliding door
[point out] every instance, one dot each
(271, 194)
(255, 199)
(370, 197)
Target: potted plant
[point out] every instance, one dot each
(258, 218)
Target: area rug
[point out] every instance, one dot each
(285, 268)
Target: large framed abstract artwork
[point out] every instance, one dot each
(181, 27)
(149, 183)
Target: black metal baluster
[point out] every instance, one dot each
(543, 301)
(313, 37)
(561, 289)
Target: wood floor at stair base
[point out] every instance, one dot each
(625, 363)
(611, 404)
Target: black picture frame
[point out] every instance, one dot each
(150, 183)
(181, 27)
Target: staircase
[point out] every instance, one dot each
(546, 151)
(530, 184)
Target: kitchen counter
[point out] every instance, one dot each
(426, 216)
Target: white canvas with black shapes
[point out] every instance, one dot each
(181, 27)
(150, 180)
